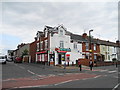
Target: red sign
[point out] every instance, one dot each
(56, 49)
(67, 54)
(41, 52)
(62, 51)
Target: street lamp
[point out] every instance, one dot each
(90, 39)
(90, 51)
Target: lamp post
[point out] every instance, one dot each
(90, 39)
(118, 50)
(90, 51)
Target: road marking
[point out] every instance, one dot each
(103, 70)
(85, 79)
(111, 71)
(60, 74)
(51, 75)
(63, 82)
(115, 76)
(116, 86)
(97, 76)
(30, 72)
(21, 67)
(32, 86)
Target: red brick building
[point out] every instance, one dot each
(32, 51)
(95, 48)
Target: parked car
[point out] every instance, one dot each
(2, 59)
(18, 60)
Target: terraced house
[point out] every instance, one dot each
(57, 46)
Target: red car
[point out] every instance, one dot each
(18, 60)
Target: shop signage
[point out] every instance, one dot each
(65, 49)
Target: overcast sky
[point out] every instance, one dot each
(22, 20)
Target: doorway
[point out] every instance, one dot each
(59, 58)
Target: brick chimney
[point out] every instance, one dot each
(35, 38)
(118, 42)
(84, 35)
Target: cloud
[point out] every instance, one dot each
(24, 19)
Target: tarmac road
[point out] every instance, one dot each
(39, 76)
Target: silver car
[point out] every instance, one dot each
(2, 59)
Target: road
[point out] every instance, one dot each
(30, 75)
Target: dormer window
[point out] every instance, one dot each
(61, 32)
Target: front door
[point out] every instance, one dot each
(59, 58)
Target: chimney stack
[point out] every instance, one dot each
(84, 35)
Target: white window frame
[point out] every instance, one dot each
(87, 46)
(75, 45)
(95, 57)
(41, 45)
(61, 44)
(46, 43)
(61, 32)
(38, 47)
(95, 47)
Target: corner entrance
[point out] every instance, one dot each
(61, 57)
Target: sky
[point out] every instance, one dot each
(22, 20)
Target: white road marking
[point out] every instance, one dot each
(85, 79)
(116, 86)
(51, 75)
(40, 75)
(60, 74)
(33, 86)
(103, 70)
(116, 77)
(63, 82)
(97, 76)
(30, 72)
(112, 71)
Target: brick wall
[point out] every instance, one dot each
(33, 47)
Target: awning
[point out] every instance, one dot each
(62, 51)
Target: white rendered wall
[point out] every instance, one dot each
(55, 43)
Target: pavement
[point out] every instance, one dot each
(30, 75)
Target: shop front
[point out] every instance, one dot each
(63, 56)
(42, 57)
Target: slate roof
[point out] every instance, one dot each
(78, 38)
(93, 40)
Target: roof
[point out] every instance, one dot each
(49, 27)
(93, 40)
(78, 38)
